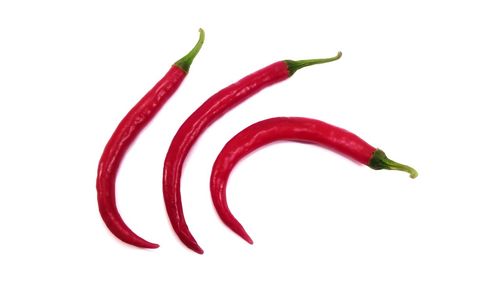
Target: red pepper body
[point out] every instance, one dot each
(211, 110)
(124, 135)
(278, 129)
(126, 132)
(194, 126)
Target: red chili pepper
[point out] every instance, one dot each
(128, 129)
(212, 109)
(293, 129)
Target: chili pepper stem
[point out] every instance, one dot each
(294, 65)
(185, 62)
(380, 161)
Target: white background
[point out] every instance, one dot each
(418, 79)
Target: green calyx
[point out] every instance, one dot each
(185, 62)
(380, 161)
(294, 65)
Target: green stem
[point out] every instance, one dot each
(380, 161)
(185, 62)
(294, 65)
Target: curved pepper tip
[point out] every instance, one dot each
(198, 250)
(237, 228)
(243, 234)
(142, 244)
(153, 246)
(146, 244)
(249, 240)
(192, 244)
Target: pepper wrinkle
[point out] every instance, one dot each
(300, 129)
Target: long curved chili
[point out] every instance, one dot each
(212, 109)
(128, 129)
(293, 129)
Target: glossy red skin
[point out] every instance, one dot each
(126, 132)
(211, 110)
(278, 129)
